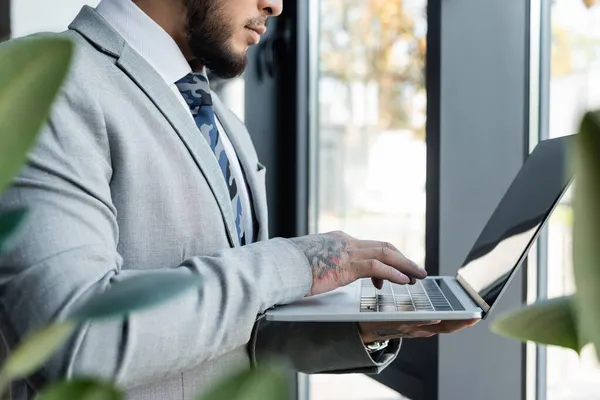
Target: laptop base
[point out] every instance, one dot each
(404, 304)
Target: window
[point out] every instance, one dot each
(369, 146)
(574, 88)
(232, 93)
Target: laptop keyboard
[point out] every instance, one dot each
(425, 295)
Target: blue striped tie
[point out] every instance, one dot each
(195, 90)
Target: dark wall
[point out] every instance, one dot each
(484, 123)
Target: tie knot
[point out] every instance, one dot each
(195, 90)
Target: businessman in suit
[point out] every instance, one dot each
(142, 168)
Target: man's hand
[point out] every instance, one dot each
(374, 331)
(338, 259)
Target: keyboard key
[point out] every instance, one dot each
(423, 296)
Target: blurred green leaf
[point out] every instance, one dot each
(34, 352)
(263, 383)
(586, 236)
(550, 322)
(9, 222)
(84, 389)
(31, 73)
(136, 294)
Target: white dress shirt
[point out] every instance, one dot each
(159, 49)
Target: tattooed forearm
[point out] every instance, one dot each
(324, 253)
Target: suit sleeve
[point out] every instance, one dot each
(318, 347)
(67, 253)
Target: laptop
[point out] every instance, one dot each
(484, 276)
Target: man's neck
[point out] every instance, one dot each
(171, 18)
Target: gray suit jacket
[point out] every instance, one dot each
(121, 183)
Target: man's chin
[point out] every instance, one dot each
(224, 65)
(230, 71)
(232, 68)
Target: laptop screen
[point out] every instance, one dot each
(517, 221)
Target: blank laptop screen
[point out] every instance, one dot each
(516, 222)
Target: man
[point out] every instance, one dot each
(142, 168)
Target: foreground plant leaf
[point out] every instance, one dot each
(85, 389)
(31, 73)
(586, 236)
(136, 294)
(9, 224)
(551, 322)
(34, 352)
(264, 383)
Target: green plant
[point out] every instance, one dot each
(572, 321)
(31, 73)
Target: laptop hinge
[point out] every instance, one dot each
(472, 294)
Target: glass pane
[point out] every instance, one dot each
(370, 143)
(232, 93)
(574, 88)
(349, 387)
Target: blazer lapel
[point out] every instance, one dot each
(91, 25)
(240, 139)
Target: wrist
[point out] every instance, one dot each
(366, 334)
(376, 346)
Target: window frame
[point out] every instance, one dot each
(540, 69)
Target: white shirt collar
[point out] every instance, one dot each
(146, 37)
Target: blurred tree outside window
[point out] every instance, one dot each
(370, 144)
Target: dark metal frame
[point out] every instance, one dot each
(526, 147)
(544, 133)
(4, 19)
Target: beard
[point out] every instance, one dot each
(209, 33)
